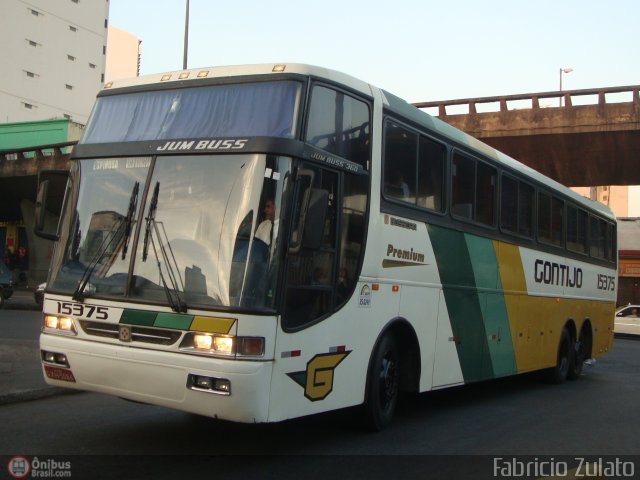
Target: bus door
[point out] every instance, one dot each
(312, 371)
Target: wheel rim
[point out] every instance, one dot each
(388, 380)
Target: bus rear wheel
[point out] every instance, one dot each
(565, 359)
(383, 385)
(580, 351)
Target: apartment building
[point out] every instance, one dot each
(53, 56)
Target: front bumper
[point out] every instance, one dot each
(161, 378)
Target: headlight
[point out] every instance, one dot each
(59, 325)
(223, 345)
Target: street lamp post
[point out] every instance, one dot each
(563, 70)
(186, 39)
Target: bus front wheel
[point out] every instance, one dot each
(383, 384)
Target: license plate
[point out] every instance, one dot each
(57, 373)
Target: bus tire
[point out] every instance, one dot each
(383, 384)
(564, 360)
(580, 348)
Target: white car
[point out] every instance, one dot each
(627, 320)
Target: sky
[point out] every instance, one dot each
(420, 50)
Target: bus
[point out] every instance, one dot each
(259, 243)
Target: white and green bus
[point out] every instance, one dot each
(259, 243)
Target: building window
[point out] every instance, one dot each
(69, 87)
(35, 12)
(71, 58)
(92, 65)
(72, 28)
(67, 116)
(104, 49)
(30, 74)
(28, 106)
(32, 43)
(75, 1)
(106, 22)
(102, 78)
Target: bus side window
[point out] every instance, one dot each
(339, 123)
(462, 186)
(310, 272)
(400, 157)
(431, 160)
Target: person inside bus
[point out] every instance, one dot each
(264, 231)
(256, 285)
(397, 187)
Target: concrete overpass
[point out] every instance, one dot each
(596, 142)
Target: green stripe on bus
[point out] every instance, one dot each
(173, 320)
(494, 311)
(138, 317)
(463, 302)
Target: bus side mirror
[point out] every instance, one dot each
(310, 212)
(51, 187)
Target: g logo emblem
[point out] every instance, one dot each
(317, 380)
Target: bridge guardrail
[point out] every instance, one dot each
(533, 97)
(39, 151)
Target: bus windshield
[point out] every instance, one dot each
(196, 230)
(246, 109)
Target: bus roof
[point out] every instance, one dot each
(276, 69)
(391, 101)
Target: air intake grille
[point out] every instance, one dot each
(157, 336)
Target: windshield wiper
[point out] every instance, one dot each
(133, 203)
(153, 206)
(172, 294)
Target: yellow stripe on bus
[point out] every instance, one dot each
(537, 322)
(212, 324)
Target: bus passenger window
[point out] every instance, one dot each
(544, 217)
(462, 187)
(431, 159)
(576, 229)
(597, 238)
(526, 203)
(516, 207)
(509, 204)
(400, 157)
(550, 219)
(485, 194)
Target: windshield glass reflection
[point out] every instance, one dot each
(207, 232)
(98, 225)
(203, 237)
